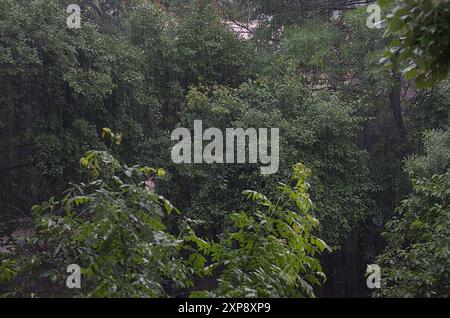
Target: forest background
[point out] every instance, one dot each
(372, 138)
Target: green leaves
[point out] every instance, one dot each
(113, 138)
(99, 163)
(115, 231)
(8, 270)
(257, 197)
(271, 251)
(420, 35)
(416, 261)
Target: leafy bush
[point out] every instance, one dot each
(437, 158)
(315, 128)
(116, 228)
(416, 261)
(272, 250)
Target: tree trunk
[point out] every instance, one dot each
(395, 104)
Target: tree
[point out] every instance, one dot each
(416, 260)
(317, 129)
(116, 228)
(420, 35)
(271, 250)
(61, 86)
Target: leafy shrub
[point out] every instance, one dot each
(272, 250)
(416, 261)
(115, 227)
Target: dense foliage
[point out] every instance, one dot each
(116, 228)
(421, 38)
(272, 251)
(143, 68)
(416, 259)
